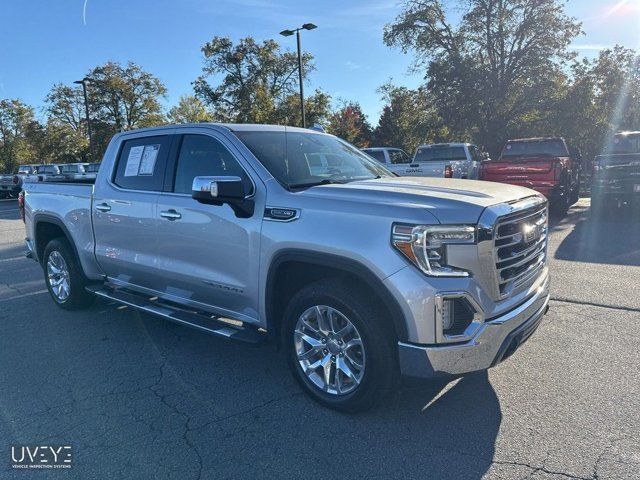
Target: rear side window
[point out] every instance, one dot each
(439, 154)
(376, 154)
(201, 155)
(142, 162)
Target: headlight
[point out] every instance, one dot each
(426, 246)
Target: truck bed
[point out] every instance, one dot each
(68, 205)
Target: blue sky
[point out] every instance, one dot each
(45, 41)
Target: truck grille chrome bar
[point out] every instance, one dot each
(520, 247)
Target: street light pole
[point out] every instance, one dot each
(83, 82)
(300, 75)
(288, 33)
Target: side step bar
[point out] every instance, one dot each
(201, 321)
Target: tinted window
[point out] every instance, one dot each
(377, 154)
(439, 154)
(292, 158)
(48, 169)
(142, 162)
(201, 155)
(625, 144)
(476, 156)
(72, 169)
(536, 148)
(399, 156)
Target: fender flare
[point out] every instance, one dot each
(336, 262)
(48, 218)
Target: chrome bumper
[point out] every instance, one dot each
(495, 341)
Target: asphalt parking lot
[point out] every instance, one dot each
(140, 397)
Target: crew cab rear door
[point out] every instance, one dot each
(208, 256)
(124, 211)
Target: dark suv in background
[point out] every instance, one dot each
(616, 174)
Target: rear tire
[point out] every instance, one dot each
(64, 277)
(340, 306)
(561, 208)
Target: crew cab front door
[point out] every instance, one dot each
(207, 256)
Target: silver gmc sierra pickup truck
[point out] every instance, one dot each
(357, 274)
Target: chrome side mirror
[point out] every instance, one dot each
(221, 190)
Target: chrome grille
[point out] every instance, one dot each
(520, 247)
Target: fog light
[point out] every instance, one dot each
(458, 317)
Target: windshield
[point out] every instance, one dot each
(626, 144)
(301, 159)
(536, 148)
(440, 154)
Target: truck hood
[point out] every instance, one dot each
(450, 201)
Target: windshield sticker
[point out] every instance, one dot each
(148, 162)
(133, 161)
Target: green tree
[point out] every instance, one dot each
(66, 129)
(317, 110)
(350, 124)
(408, 119)
(17, 128)
(494, 68)
(189, 110)
(248, 81)
(125, 96)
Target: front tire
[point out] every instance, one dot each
(340, 347)
(64, 277)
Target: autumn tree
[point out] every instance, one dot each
(350, 123)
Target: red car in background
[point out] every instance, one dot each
(543, 164)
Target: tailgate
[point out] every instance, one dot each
(528, 169)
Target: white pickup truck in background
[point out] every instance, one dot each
(443, 160)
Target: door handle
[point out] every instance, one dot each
(103, 207)
(414, 165)
(171, 215)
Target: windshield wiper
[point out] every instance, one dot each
(325, 181)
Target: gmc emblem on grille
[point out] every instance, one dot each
(531, 233)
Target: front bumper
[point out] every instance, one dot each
(494, 341)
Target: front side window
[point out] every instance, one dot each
(399, 157)
(303, 159)
(201, 155)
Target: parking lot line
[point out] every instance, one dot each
(15, 297)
